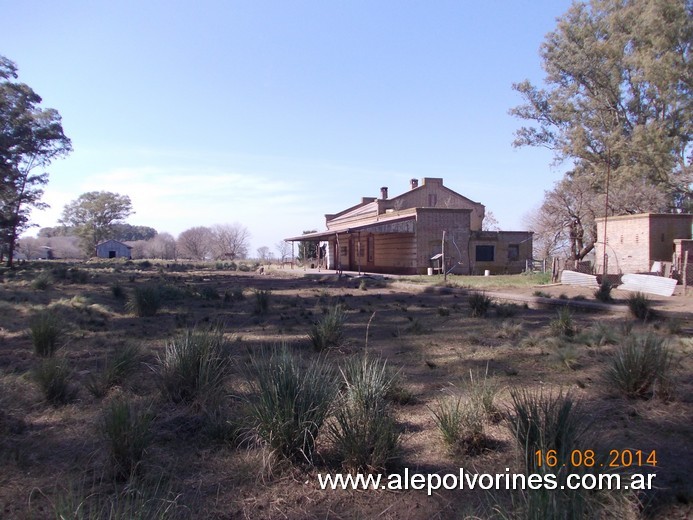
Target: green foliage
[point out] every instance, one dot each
(640, 306)
(93, 215)
(128, 433)
(290, 402)
(193, 367)
(47, 331)
(614, 101)
(54, 379)
(506, 310)
(545, 421)
(42, 282)
(563, 324)
(262, 300)
(642, 366)
(603, 294)
(31, 138)
(145, 301)
(209, 293)
(460, 422)
(479, 304)
(364, 432)
(118, 366)
(328, 331)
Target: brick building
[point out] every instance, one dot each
(635, 242)
(414, 231)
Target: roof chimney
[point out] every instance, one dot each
(383, 193)
(414, 183)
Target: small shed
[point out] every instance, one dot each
(113, 249)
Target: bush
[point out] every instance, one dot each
(262, 300)
(193, 367)
(364, 432)
(328, 332)
(640, 306)
(117, 368)
(127, 431)
(506, 310)
(42, 282)
(540, 421)
(563, 324)
(117, 291)
(642, 366)
(291, 402)
(603, 294)
(209, 293)
(47, 331)
(146, 301)
(53, 377)
(479, 304)
(461, 424)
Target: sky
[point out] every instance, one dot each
(271, 114)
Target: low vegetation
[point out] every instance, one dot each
(210, 409)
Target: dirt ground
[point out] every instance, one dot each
(53, 457)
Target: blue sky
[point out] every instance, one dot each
(273, 113)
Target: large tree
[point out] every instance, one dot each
(93, 216)
(195, 243)
(230, 241)
(30, 138)
(617, 102)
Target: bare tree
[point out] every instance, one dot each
(161, 246)
(230, 241)
(195, 243)
(264, 254)
(490, 223)
(284, 250)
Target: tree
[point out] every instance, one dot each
(230, 241)
(308, 249)
(93, 215)
(195, 243)
(30, 138)
(618, 102)
(284, 250)
(264, 254)
(490, 223)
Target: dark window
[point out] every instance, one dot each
(484, 253)
(111, 254)
(513, 252)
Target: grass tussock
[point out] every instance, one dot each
(642, 366)
(564, 324)
(127, 431)
(291, 401)
(603, 294)
(479, 304)
(145, 301)
(262, 301)
(364, 431)
(54, 378)
(640, 306)
(193, 367)
(47, 332)
(328, 331)
(118, 367)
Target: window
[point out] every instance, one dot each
(513, 252)
(371, 247)
(484, 253)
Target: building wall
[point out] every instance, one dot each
(433, 194)
(430, 223)
(104, 249)
(634, 242)
(510, 251)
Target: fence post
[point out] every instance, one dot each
(685, 272)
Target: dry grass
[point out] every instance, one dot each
(197, 464)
